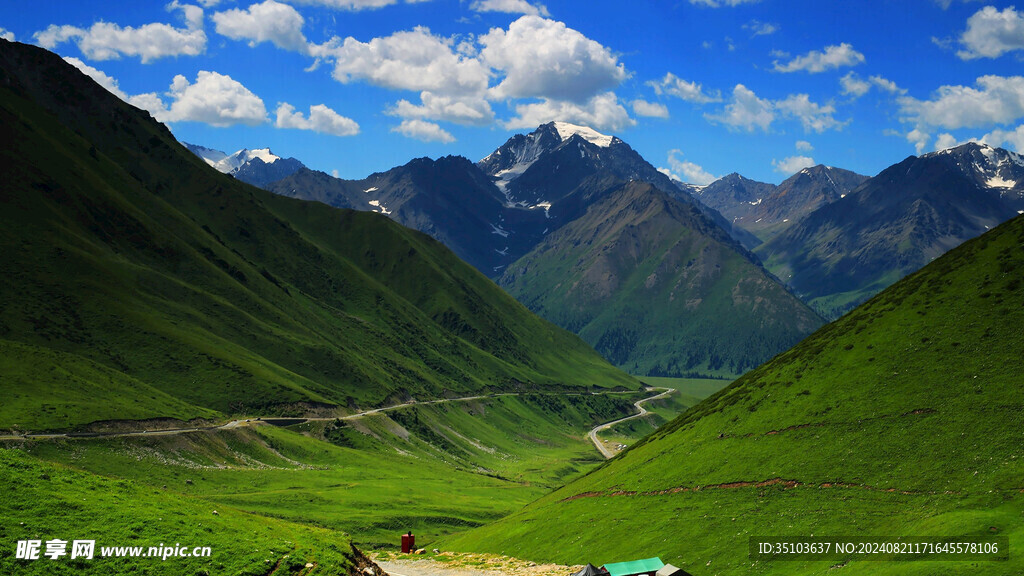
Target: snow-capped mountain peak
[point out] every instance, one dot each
(990, 167)
(258, 166)
(567, 130)
(264, 154)
(238, 159)
(229, 163)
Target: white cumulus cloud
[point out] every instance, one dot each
(471, 110)
(269, 21)
(649, 109)
(819, 61)
(562, 73)
(406, 60)
(919, 139)
(602, 112)
(688, 91)
(542, 58)
(854, 85)
(804, 146)
(995, 100)
(813, 117)
(509, 7)
(108, 41)
(991, 33)
(353, 5)
(424, 131)
(1013, 137)
(686, 171)
(887, 85)
(793, 164)
(214, 99)
(6, 34)
(945, 141)
(746, 111)
(321, 119)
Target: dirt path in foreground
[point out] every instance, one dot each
(467, 565)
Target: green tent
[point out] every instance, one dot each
(633, 567)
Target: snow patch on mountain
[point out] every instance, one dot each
(999, 182)
(383, 209)
(566, 131)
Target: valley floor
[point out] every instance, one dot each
(436, 467)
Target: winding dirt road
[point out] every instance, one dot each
(605, 451)
(242, 422)
(262, 420)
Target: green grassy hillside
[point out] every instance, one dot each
(123, 513)
(434, 469)
(905, 418)
(137, 282)
(649, 283)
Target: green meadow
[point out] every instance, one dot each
(434, 469)
(45, 501)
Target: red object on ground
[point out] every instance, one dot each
(408, 543)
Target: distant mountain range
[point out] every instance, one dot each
(538, 202)
(837, 238)
(834, 237)
(893, 224)
(765, 209)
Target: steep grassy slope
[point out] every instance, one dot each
(902, 419)
(121, 513)
(657, 290)
(159, 287)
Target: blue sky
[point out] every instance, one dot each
(701, 88)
